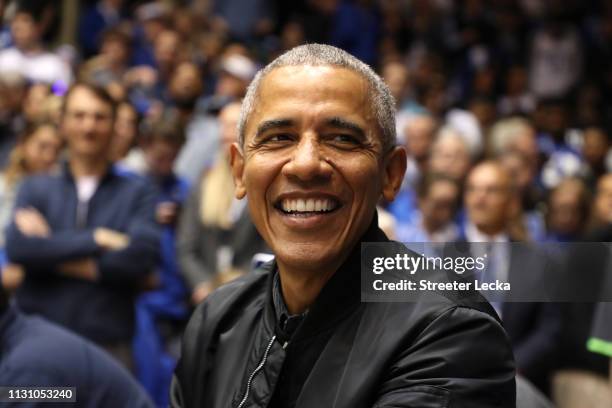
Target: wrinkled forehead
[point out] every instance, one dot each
(324, 90)
(326, 80)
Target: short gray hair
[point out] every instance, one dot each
(383, 104)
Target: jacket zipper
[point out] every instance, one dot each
(255, 371)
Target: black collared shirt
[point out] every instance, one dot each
(287, 322)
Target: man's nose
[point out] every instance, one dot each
(88, 123)
(307, 161)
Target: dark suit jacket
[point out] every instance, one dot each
(534, 328)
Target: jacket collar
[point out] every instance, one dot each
(67, 173)
(340, 295)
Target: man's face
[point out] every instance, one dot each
(487, 198)
(87, 124)
(24, 31)
(603, 199)
(166, 48)
(33, 105)
(419, 136)
(42, 149)
(312, 165)
(450, 157)
(520, 169)
(160, 156)
(439, 206)
(565, 216)
(185, 84)
(125, 131)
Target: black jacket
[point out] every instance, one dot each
(345, 354)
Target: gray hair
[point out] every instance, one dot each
(383, 104)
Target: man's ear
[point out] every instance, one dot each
(395, 167)
(237, 163)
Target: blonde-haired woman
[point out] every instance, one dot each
(216, 240)
(37, 151)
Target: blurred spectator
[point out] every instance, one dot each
(184, 90)
(533, 328)
(556, 55)
(516, 100)
(602, 205)
(356, 29)
(417, 135)
(291, 36)
(109, 66)
(38, 353)
(36, 152)
(86, 237)
(438, 198)
(162, 312)
(12, 92)
(561, 159)
(596, 153)
(125, 138)
(203, 135)
(152, 17)
(96, 19)
(148, 84)
(568, 210)
(35, 103)
(28, 55)
(514, 133)
(243, 20)
(397, 78)
(529, 219)
(467, 126)
(450, 155)
(317, 19)
(489, 203)
(216, 235)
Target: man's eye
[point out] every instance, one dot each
(344, 139)
(279, 137)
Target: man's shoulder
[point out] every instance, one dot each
(44, 182)
(38, 346)
(128, 181)
(247, 291)
(40, 353)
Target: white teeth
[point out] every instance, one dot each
(307, 205)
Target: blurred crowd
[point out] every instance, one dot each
(505, 109)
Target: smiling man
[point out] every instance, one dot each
(316, 153)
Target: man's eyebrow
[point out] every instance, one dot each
(273, 124)
(341, 123)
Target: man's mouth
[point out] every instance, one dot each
(305, 207)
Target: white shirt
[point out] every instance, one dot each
(37, 66)
(497, 250)
(86, 187)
